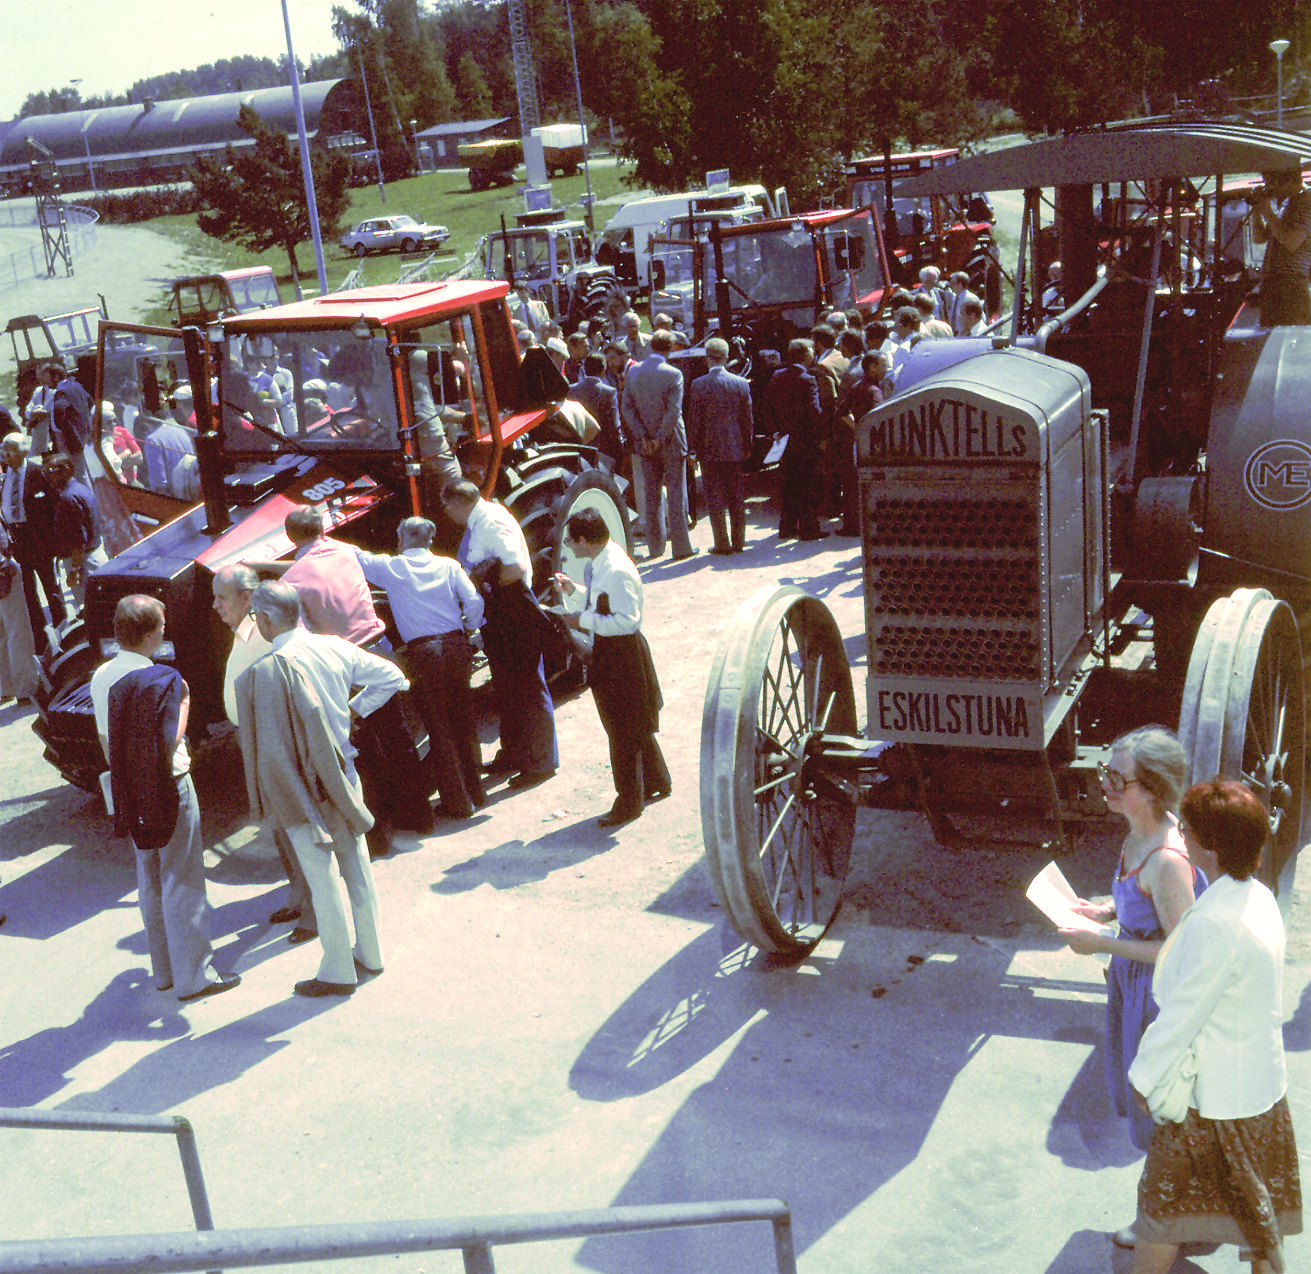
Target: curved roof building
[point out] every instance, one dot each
(156, 141)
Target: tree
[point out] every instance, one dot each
(475, 96)
(255, 196)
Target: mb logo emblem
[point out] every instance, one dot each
(1278, 475)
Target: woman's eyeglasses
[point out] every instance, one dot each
(1113, 779)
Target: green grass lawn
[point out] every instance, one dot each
(442, 197)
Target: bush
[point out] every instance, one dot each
(142, 205)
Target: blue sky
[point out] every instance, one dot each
(110, 44)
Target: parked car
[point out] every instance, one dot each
(392, 234)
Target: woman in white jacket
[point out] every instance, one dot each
(1228, 1172)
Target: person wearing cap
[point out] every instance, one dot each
(558, 351)
(1284, 298)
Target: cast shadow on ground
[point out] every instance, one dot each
(517, 862)
(194, 1063)
(65, 891)
(34, 1069)
(789, 1110)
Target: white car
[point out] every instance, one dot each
(392, 234)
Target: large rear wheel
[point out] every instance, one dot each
(1243, 716)
(778, 837)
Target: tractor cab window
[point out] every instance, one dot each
(147, 420)
(529, 254)
(852, 262)
(787, 267)
(445, 383)
(254, 292)
(329, 390)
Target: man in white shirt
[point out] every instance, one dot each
(495, 554)
(233, 587)
(622, 674)
(437, 610)
(295, 708)
(170, 866)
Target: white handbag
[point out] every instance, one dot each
(1173, 1094)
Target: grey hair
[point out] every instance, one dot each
(21, 441)
(717, 349)
(1160, 764)
(244, 576)
(278, 602)
(416, 531)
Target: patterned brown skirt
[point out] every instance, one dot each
(1223, 1181)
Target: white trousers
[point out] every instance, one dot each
(351, 859)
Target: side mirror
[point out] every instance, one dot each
(849, 253)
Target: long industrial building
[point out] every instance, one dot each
(155, 142)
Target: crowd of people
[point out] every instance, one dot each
(313, 686)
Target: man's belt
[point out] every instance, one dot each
(419, 641)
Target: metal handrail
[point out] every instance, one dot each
(84, 1121)
(474, 1236)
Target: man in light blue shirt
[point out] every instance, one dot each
(437, 610)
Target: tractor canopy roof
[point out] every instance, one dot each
(386, 306)
(1132, 152)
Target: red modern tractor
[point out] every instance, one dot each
(355, 402)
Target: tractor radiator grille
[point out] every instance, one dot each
(953, 586)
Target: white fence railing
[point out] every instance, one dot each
(30, 262)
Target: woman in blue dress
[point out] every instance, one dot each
(1155, 883)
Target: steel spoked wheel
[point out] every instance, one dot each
(1243, 716)
(777, 834)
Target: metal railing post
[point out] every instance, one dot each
(478, 1259)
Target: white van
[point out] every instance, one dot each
(626, 241)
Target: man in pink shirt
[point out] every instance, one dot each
(334, 595)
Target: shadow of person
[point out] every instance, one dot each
(193, 1064)
(65, 891)
(36, 1068)
(517, 862)
(821, 1082)
(1086, 1132)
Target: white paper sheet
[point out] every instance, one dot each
(1050, 892)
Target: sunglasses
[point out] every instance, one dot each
(1113, 779)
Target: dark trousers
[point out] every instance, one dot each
(394, 779)
(797, 476)
(38, 566)
(626, 695)
(638, 767)
(512, 638)
(725, 495)
(439, 669)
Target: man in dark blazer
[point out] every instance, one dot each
(652, 412)
(794, 398)
(720, 432)
(27, 505)
(602, 401)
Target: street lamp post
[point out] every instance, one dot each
(582, 122)
(312, 205)
(1279, 48)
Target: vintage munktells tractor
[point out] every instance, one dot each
(1093, 523)
(353, 402)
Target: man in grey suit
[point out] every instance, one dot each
(652, 412)
(602, 400)
(720, 433)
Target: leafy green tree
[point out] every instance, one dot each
(255, 196)
(474, 93)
